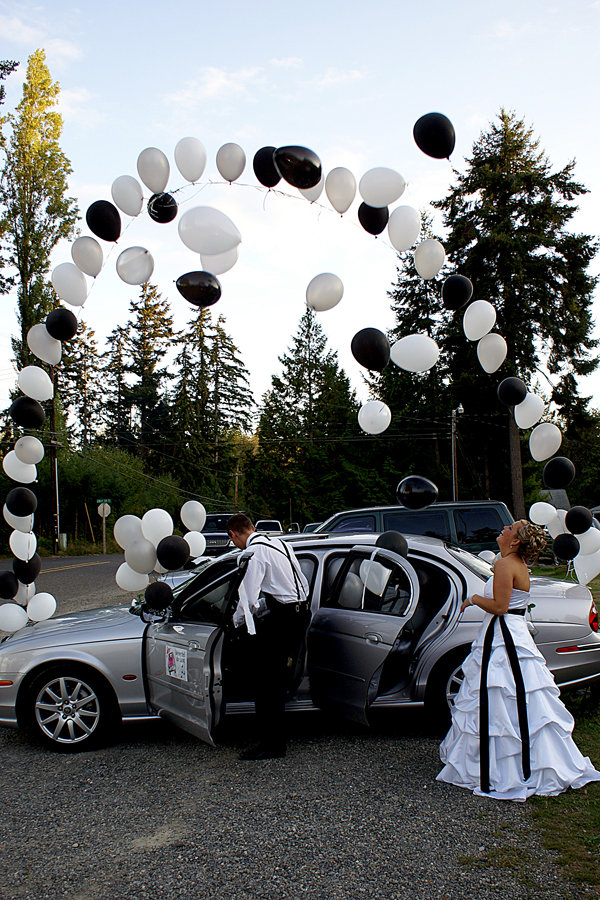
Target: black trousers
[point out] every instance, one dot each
(278, 642)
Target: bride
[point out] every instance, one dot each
(511, 734)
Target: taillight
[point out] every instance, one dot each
(593, 618)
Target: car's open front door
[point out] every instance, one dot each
(183, 656)
(360, 620)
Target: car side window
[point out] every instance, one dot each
(477, 526)
(209, 604)
(371, 585)
(355, 524)
(427, 522)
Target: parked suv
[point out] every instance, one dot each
(215, 532)
(472, 524)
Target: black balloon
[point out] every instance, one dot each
(299, 166)
(578, 519)
(21, 501)
(264, 167)
(27, 572)
(393, 540)
(172, 552)
(370, 347)
(565, 546)
(511, 391)
(434, 135)
(162, 208)
(61, 324)
(558, 473)
(8, 585)
(104, 220)
(199, 288)
(158, 596)
(27, 412)
(373, 218)
(457, 290)
(416, 492)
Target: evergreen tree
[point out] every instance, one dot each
(508, 216)
(115, 426)
(6, 67)
(35, 211)
(79, 384)
(308, 461)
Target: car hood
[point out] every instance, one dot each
(91, 625)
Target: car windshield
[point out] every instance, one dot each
(217, 522)
(199, 567)
(473, 563)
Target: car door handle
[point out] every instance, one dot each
(193, 645)
(372, 638)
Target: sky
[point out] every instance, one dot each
(347, 80)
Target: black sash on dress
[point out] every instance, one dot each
(484, 725)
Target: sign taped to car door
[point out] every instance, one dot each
(176, 662)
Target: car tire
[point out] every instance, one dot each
(69, 709)
(442, 686)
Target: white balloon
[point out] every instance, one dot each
(87, 255)
(231, 161)
(208, 231)
(135, 265)
(36, 383)
(380, 186)
(24, 523)
(153, 168)
(197, 543)
(324, 291)
(160, 569)
(374, 416)
(140, 555)
(128, 580)
(429, 257)
(415, 353)
(127, 529)
(24, 594)
(127, 194)
(156, 524)
(487, 556)
(17, 470)
(23, 545)
(542, 513)
(29, 449)
(589, 541)
(404, 227)
(340, 187)
(43, 345)
(70, 284)
(220, 262)
(315, 192)
(12, 617)
(491, 351)
(190, 158)
(41, 606)
(529, 411)
(557, 525)
(586, 567)
(544, 441)
(193, 515)
(478, 320)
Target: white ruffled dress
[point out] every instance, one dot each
(556, 763)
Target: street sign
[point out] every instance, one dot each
(104, 500)
(103, 510)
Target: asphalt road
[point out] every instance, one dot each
(349, 813)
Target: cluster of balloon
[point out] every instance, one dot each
(151, 547)
(416, 492)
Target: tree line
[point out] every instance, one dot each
(158, 416)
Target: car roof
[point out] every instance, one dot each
(398, 508)
(415, 541)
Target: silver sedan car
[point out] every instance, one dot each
(385, 632)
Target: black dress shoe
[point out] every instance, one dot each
(263, 753)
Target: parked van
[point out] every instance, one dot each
(472, 524)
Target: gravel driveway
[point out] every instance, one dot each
(347, 814)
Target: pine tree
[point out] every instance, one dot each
(35, 211)
(6, 67)
(307, 463)
(508, 217)
(79, 384)
(115, 417)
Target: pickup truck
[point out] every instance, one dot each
(272, 526)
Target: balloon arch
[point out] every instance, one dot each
(149, 543)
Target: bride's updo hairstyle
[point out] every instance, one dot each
(532, 541)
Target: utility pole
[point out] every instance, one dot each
(235, 492)
(54, 464)
(459, 409)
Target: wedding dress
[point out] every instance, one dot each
(528, 748)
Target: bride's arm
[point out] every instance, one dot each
(503, 585)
